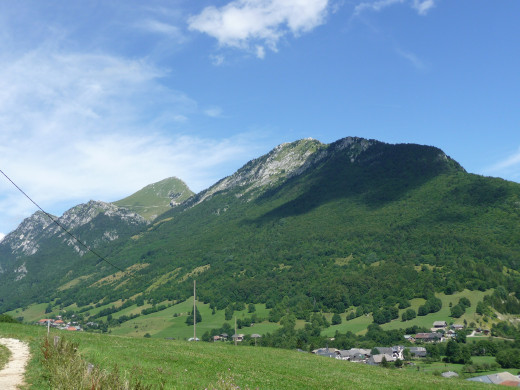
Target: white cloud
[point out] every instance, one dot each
(508, 167)
(158, 27)
(412, 58)
(249, 24)
(217, 60)
(260, 52)
(375, 5)
(75, 127)
(2, 235)
(421, 6)
(213, 112)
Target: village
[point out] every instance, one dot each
(58, 323)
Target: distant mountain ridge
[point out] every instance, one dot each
(355, 222)
(38, 249)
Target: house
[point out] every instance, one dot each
(216, 338)
(323, 350)
(457, 327)
(502, 378)
(439, 324)
(396, 351)
(224, 336)
(353, 354)
(44, 321)
(419, 352)
(428, 337)
(375, 360)
(449, 374)
(238, 337)
(326, 354)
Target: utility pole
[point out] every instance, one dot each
(236, 336)
(194, 313)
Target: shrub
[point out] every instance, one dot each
(65, 369)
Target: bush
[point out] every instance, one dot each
(65, 369)
(336, 319)
(7, 318)
(508, 358)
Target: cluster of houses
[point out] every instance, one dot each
(439, 332)
(58, 323)
(236, 337)
(360, 355)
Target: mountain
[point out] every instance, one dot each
(156, 198)
(38, 253)
(353, 223)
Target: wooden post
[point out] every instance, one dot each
(48, 327)
(194, 313)
(236, 336)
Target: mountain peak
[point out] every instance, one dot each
(157, 198)
(292, 159)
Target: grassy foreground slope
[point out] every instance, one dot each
(183, 365)
(4, 355)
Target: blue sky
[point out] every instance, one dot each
(100, 98)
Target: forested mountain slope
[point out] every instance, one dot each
(38, 257)
(356, 222)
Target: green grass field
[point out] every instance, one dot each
(185, 365)
(359, 325)
(163, 324)
(4, 356)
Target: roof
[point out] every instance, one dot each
(379, 358)
(385, 350)
(449, 374)
(439, 323)
(428, 336)
(498, 379)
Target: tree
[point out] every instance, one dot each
(189, 320)
(508, 358)
(457, 311)
(408, 314)
(228, 313)
(336, 319)
(384, 362)
(398, 363)
(251, 308)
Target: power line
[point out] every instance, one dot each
(65, 229)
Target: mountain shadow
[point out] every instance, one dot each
(379, 175)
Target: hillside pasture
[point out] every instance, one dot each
(188, 365)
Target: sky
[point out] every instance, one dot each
(100, 98)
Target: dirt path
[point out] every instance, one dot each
(12, 376)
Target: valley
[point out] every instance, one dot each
(352, 244)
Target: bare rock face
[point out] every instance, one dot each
(282, 163)
(24, 239)
(39, 230)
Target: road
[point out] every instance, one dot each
(12, 376)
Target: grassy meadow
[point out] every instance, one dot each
(183, 365)
(4, 355)
(359, 325)
(163, 324)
